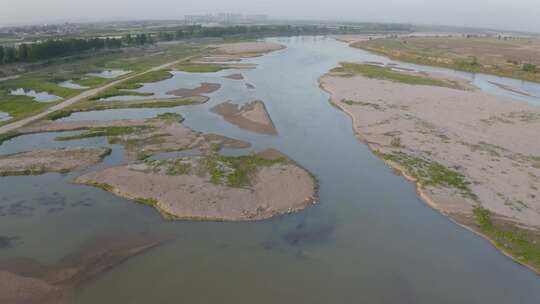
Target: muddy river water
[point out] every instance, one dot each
(369, 240)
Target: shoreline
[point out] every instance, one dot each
(422, 194)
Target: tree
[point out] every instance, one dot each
(22, 54)
(9, 56)
(529, 67)
(1, 54)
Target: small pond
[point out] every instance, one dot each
(110, 74)
(4, 116)
(72, 85)
(38, 96)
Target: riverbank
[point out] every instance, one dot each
(513, 58)
(469, 152)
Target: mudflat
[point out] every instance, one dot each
(252, 116)
(213, 187)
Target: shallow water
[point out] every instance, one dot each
(109, 74)
(180, 80)
(4, 116)
(72, 85)
(370, 240)
(38, 96)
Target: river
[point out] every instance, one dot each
(369, 240)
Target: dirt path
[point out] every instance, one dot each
(86, 94)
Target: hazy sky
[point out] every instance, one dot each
(511, 14)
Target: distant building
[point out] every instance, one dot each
(230, 18)
(256, 18)
(199, 19)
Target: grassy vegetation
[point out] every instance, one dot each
(235, 171)
(199, 68)
(90, 81)
(384, 73)
(102, 132)
(176, 117)
(125, 88)
(46, 77)
(361, 103)
(171, 167)
(19, 107)
(429, 173)
(91, 105)
(522, 244)
(484, 55)
(7, 136)
(58, 115)
(146, 201)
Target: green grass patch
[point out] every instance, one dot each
(90, 81)
(452, 53)
(172, 167)
(7, 136)
(115, 91)
(429, 173)
(235, 171)
(176, 117)
(146, 201)
(103, 132)
(384, 73)
(199, 68)
(522, 244)
(150, 77)
(58, 114)
(92, 105)
(126, 88)
(19, 107)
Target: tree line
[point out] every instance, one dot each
(37, 51)
(44, 50)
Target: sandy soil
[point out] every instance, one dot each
(276, 189)
(252, 116)
(235, 77)
(484, 137)
(247, 48)
(26, 281)
(50, 160)
(204, 88)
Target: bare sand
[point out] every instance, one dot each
(252, 116)
(185, 189)
(26, 281)
(50, 160)
(204, 88)
(486, 138)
